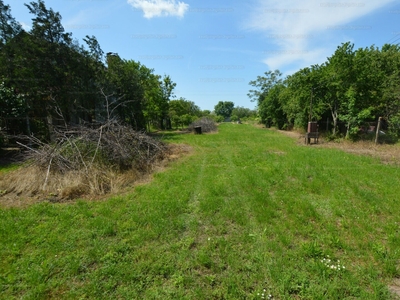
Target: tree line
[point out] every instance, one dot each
(351, 89)
(226, 110)
(48, 79)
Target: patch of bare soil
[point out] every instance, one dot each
(388, 154)
(27, 185)
(394, 288)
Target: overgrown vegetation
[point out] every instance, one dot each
(250, 212)
(351, 90)
(48, 79)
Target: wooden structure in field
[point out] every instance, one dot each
(312, 133)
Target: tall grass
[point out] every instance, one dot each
(249, 214)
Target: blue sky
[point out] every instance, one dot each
(212, 49)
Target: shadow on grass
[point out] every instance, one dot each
(169, 135)
(9, 158)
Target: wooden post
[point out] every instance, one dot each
(310, 115)
(377, 130)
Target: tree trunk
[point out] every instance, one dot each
(377, 130)
(335, 119)
(28, 125)
(50, 128)
(348, 130)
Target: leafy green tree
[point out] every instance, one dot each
(50, 68)
(340, 79)
(263, 84)
(9, 27)
(389, 106)
(267, 94)
(64, 83)
(12, 109)
(167, 91)
(224, 108)
(154, 104)
(241, 112)
(270, 109)
(127, 95)
(206, 112)
(183, 112)
(47, 24)
(95, 51)
(352, 86)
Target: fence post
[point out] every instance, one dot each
(377, 130)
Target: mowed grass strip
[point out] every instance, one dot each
(248, 214)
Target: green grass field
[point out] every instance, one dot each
(248, 214)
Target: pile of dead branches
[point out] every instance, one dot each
(89, 159)
(110, 145)
(206, 124)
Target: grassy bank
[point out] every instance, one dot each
(248, 213)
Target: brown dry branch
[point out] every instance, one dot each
(85, 160)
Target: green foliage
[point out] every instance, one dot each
(61, 83)
(125, 77)
(394, 125)
(242, 112)
(47, 24)
(9, 27)
(11, 104)
(248, 213)
(205, 112)
(353, 87)
(183, 112)
(219, 119)
(270, 109)
(224, 108)
(263, 84)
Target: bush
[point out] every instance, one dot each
(234, 118)
(220, 119)
(207, 125)
(388, 138)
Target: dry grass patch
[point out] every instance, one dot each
(33, 183)
(388, 154)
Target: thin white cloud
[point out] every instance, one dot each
(87, 19)
(159, 8)
(282, 57)
(294, 27)
(25, 26)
